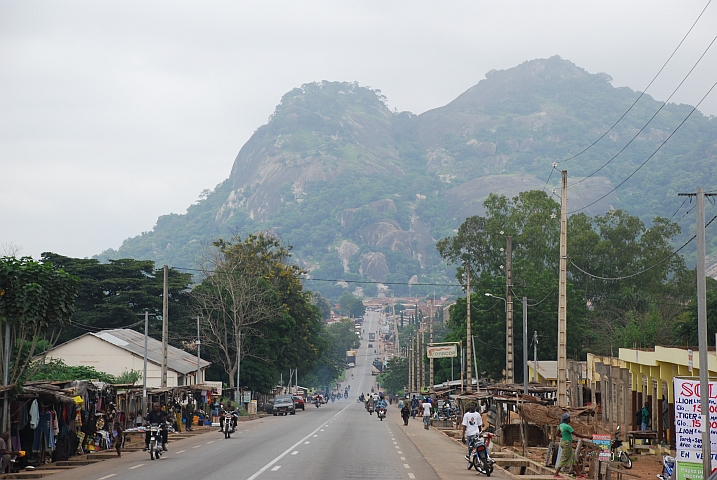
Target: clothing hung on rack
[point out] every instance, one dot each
(44, 431)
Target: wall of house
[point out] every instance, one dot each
(91, 351)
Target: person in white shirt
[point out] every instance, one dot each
(472, 424)
(426, 414)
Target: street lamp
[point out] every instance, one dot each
(496, 296)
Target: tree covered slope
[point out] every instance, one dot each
(362, 192)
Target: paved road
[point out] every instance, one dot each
(338, 440)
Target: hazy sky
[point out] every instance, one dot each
(114, 113)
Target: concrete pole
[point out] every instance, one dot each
(702, 331)
(238, 399)
(144, 372)
(199, 351)
(563, 295)
(463, 388)
(410, 365)
(6, 378)
(165, 329)
(469, 377)
(525, 345)
(421, 347)
(430, 341)
(509, 356)
(535, 357)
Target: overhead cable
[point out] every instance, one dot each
(643, 92)
(650, 120)
(614, 279)
(652, 154)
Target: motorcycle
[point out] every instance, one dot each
(317, 403)
(668, 468)
(617, 454)
(228, 426)
(155, 441)
(381, 413)
(479, 457)
(370, 409)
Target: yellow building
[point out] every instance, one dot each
(623, 384)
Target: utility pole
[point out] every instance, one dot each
(563, 295)
(238, 399)
(199, 351)
(535, 357)
(463, 388)
(702, 330)
(430, 333)
(165, 328)
(469, 377)
(6, 378)
(144, 372)
(509, 365)
(421, 347)
(525, 345)
(410, 365)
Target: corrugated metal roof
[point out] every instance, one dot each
(132, 341)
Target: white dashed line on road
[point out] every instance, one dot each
(107, 476)
(196, 446)
(210, 442)
(397, 446)
(181, 451)
(405, 465)
(403, 458)
(276, 468)
(306, 443)
(136, 466)
(317, 435)
(294, 452)
(410, 475)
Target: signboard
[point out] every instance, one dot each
(689, 422)
(442, 351)
(603, 441)
(247, 397)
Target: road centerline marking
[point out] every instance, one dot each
(276, 468)
(181, 451)
(294, 452)
(107, 476)
(290, 449)
(136, 466)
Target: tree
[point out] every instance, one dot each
(395, 377)
(252, 301)
(116, 294)
(351, 305)
(36, 302)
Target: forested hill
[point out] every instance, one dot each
(363, 192)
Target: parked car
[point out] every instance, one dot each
(299, 402)
(269, 407)
(283, 404)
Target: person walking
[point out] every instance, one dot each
(405, 413)
(646, 417)
(568, 458)
(414, 407)
(426, 414)
(118, 438)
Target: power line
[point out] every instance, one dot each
(644, 91)
(650, 120)
(645, 270)
(678, 208)
(651, 155)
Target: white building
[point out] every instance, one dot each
(121, 350)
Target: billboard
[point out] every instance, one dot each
(442, 351)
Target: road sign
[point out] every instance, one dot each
(442, 351)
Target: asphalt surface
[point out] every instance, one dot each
(337, 440)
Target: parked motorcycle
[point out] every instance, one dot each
(617, 454)
(668, 468)
(381, 413)
(155, 441)
(479, 457)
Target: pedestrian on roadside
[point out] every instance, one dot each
(118, 437)
(405, 413)
(426, 414)
(567, 457)
(414, 407)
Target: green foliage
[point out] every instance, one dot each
(36, 301)
(394, 379)
(351, 305)
(340, 337)
(57, 370)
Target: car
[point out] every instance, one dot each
(283, 405)
(269, 407)
(370, 345)
(299, 402)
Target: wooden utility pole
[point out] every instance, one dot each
(702, 329)
(430, 341)
(469, 377)
(509, 356)
(165, 325)
(563, 295)
(409, 354)
(421, 351)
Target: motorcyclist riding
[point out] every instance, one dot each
(156, 415)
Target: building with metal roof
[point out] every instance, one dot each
(121, 350)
